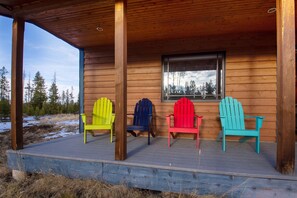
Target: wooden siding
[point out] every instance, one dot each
(250, 77)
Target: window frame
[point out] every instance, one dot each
(223, 76)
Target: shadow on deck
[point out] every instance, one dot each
(237, 172)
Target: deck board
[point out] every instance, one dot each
(156, 162)
(239, 158)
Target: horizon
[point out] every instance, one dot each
(43, 52)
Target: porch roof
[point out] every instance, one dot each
(78, 22)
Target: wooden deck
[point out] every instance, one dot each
(181, 168)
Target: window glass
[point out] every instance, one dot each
(197, 77)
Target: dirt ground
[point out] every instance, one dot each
(39, 185)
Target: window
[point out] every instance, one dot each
(197, 77)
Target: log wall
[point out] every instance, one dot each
(250, 77)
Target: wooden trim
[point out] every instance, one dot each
(81, 87)
(17, 83)
(285, 86)
(121, 79)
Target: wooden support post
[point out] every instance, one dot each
(17, 84)
(285, 86)
(120, 79)
(81, 88)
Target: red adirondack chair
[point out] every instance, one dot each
(184, 118)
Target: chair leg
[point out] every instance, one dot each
(148, 137)
(168, 139)
(258, 144)
(132, 133)
(85, 136)
(224, 142)
(111, 135)
(197, 141)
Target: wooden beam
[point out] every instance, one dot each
(81, 87)
(285, 86)
(121, 79)
(17, 84)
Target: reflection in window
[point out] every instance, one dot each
(197, 77)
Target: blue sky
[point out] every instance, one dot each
(43, 52)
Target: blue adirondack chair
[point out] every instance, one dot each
(232, 121)
(142, 119)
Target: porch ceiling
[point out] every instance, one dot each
(75, 21)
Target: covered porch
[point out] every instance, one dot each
(121, 43)
(239, 171)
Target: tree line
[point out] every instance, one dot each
(207, 90)
(37, 99)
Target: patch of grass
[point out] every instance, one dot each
(58, 186)
(58, 118)
(39, 185)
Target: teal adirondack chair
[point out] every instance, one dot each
(232, 121)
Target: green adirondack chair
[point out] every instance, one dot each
(232, 121)
(103, 118)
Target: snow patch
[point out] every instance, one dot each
(29, 118)
(5, 126)
(68, 122)
(32, 121)
(61, 133)
(27, 121)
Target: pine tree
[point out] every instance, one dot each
(4, 94)
(28, 91)
(67, 100)
(71, 97)
(28, 109)
(76, 105)
(53, 97)
(63, 97)
(192, 87)
(210, 87)
(71, 107)
(187, 87)
(4, 84)
(39, 93)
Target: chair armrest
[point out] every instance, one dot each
(199, 120)
(168, 119)
(259, 120)
(83, 118)
(249, 116)
(223, 121)
(95, 115)
(112, 118)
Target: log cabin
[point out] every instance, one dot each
(164, 49)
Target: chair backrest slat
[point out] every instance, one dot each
(102, 111)
(184, 113)
(232, 110)
(143, 109)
